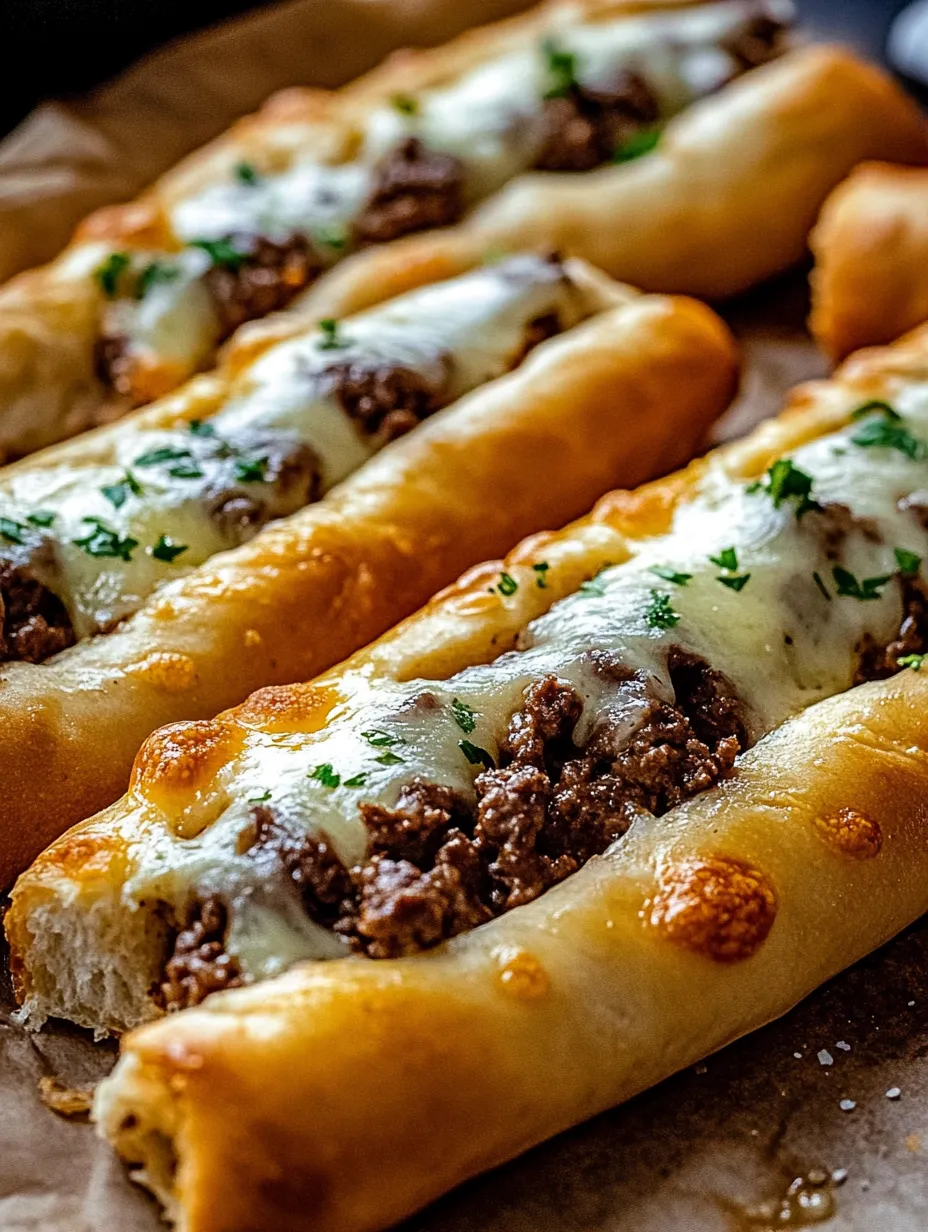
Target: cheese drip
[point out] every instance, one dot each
(196, 486)
(821, 580)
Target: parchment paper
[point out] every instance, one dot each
(715, 1149)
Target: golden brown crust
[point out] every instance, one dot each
(619, 398)
(871, 253)
(696, 928)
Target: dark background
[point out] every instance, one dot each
(57, 47)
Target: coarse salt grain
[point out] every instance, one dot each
(825, 1057)
(847, 1105)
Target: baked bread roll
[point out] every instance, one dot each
(93, 532)
(869, 284)
(595, 811)
(536, 131)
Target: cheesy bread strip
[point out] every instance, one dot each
(626, 772)
(628, 388)
(561, 105)
(871, 251)
(487, 749)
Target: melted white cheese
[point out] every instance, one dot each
(458, 334)
(781, 642)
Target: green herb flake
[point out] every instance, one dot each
(735, 583)
(108, 274)
(876, 407)
(332, 236)
(102, 540)
(12, 531)
(246, 173)
(41, 517)
(331, 338)
(476, 755)
(849, 587)
(166, 549)
(726, 559)
(885, 433)
(541, 570)
(465, 716)
(187, 469)
(325, 775)
(222, 253)
(507, 584)
(784, 481)
(380, 739)
(405, 104)
(909, 562)
(660, 613)
(389, 759)
(356, 780)
(164, 453)
(561, 67)
(154, 273)
(914, 661)
(639, 144)
(670, 575)
(817, 579)
(251, 470)
(201, 427)
(265, 795)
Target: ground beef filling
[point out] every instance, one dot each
(36, 624)
(414, 189)
(438, 864)
(114, 363)
(386, 400)
(756, 42)
(583, 128)
(198, 964)
(876, 661)
(287, 478)
(265, 280)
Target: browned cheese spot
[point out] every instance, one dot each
(521, 975)
(719, 907)
(288, 707)
(166, 671)
(182, 757)
(851, 833)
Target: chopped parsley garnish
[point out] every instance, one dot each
(152, 274)
(876, 407)
(406, 104)
(331, 338)
(117, 493)
(476, 755)
(111, 271)
(166, 549)
(784, 481)
(265, 795)
(817, 579)
(186, 469)
(507, 584)
(251, 470)
(102, 540)
(164, 453)
(389, 759)
(380, 739)
(735, 583)
(562, 69)
(465, 716)
(325, 775)
(332, 236)
(12, 531)
(221, 252)
(246, 173)
(594, 587)
(541, 570)
(909, 562)
(639, 144)
(201, 427)
(356, 780)
(726, 559)
(886, 431)
(914, 661)
(849, 587)
(660, 613)
(41, 517)
(670, 575)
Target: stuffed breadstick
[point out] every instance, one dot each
(539, 131)
(596, 810)
(108, 545)
(870, 283)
